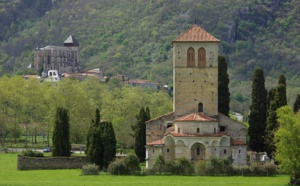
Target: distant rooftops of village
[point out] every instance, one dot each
(97, 73)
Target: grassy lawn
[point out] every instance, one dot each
(9, 175)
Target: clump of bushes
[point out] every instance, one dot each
(90, 169)
(224, 167)
(32, 153)
(127, 165)
(181, 166)
(265, 169)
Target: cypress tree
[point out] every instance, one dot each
(223, 90)
(297, 104)
(276, 99)
(109, 143)
(140, 133)
(280, 96)
(270, 126)
(258, 111)
(94, 147)
(282, 80)
(61, 136)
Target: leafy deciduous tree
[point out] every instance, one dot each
(287, 143)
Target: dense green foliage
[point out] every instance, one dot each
(61, 138)
(29, 106)
(258, 111)
(223, 89)
(139, 130)
(287, 143)
(134, 37)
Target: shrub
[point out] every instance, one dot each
(181, 166)
(219, 166)
(159, 164)
(132, 162)
(270, 169)
(257, 168)
(242, 170)
(265, 169)
(32, 153)
(90, 169)
(118, 167)
(128, 165)
(200, 168)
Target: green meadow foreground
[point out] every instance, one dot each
(9, 175)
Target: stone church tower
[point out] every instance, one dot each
(195, 129)
(195, 64)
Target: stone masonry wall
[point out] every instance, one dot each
(34, 163)
(234, 129)
(156, 128)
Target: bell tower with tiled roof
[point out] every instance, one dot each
(195, 72)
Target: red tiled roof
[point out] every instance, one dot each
(237, 142)
(195, 117)
(196, 34)
(175, 134)
(157, 142)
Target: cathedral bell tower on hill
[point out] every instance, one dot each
(195, 69)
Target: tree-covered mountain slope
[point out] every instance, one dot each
(134, 37)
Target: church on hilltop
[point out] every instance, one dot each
(64, 59)
(195, 129)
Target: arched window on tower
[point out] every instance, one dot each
(201, 57)
(200, 107)
(191, 57)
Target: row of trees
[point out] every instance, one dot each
(101, 142)
(28, 107)
(273, 126)
(263, 118)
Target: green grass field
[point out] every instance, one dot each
(9, 175)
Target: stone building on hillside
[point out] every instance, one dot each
(195, 129)
(64, 59)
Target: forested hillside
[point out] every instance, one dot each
(133, 37)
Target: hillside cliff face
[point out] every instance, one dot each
(133, 37)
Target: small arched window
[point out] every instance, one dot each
(200, 107)
(198, 150)
(201, 57)
(191, 57)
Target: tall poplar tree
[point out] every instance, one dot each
(61, 136)
(94, 147)
(276, 99)
(140, 133)
(223, 90)
(258, 110)
(109, 143)
(297, 104)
